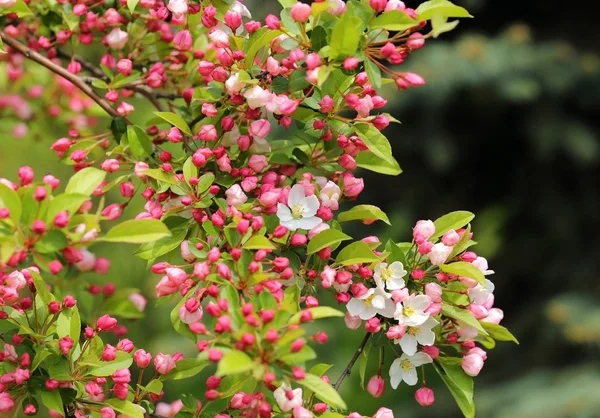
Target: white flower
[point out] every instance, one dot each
(282, 400)
(482, 264)
(330, 195)
(390, 276)
(422, 335)
(374, 301)
(439, 253)
(234, 85)
(480, 294)
(117, 38)
(7, 3)
(300, 211)
(404, 369)
(411, 311)
(257, 97)
(178, 7)
(239, 7)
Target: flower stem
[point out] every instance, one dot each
(346, 371)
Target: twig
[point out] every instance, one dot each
(346, 371)
(98, 73)
(78, 82)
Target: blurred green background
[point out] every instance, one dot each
(507, 127)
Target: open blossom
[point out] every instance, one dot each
(117, 38)
(374, 301)
(411, 312)
(482, 264)
(404, 368)
(282, 399)
(421, 334)
(439, 254)
(300, 211)
(330, 195)
(480, 294)
(257, 97)
(178, 7)
(390, 276)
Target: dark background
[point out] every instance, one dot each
(506, 127)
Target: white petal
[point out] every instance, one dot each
(355, 306)
(283, 212)
(389, 310)
(410, 376)
(296, 195)
(408, 343)
(420, 302)
(311, 206)
(416, 319)
(291, 225)
(426, 337)
(378, 302)
(420, 358)
(309, 223)
(368, 313)
(396, 284)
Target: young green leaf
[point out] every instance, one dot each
(137, 231)
(175, 120)
(356, 253)
(126, 408)
(459, 384)
(107, 368)
(318, 312)
(452, 220)
(139, 143)
(498, 332)
(323, 391)
(370, 161)
(462, 268)
(53, 401)
(428, 9)
(326, 238)
(462, 315)
(259, 242)
(85, 181)
(344, 37)
(362, 213)
(234, 362)
(258, 40)
(10, 199)
(186, 368)
(394, 20)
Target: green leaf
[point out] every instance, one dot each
(126, 408)
(204, 182)
(107, 368)
(186, 368)
(363, 212)
(298, 81)
(154, 386)
(428, 9)
(323, 391)
(306, 353)
(345, 37)
(234, 362)
(85, 181)
(39, 357)
(139, 143)
(175, 120)
(20, 8)
(189, 170)
(462, 315)
(137, 231)
(70, 202)
(2, 51)
(131, 4)
(258, 40)
(68, 324)
(373, 73)
(395, 253)
(259, 242)
(10, 199)
(320, 369)
(356, 253)
(52, 242)
(318, 38)
(370, 161)
(498, 332)
(41, 288)
(362, 367)
(160, 175)
(377, 143)
(452, 220)
(325, 239)
(318, 312)
(394, 20)
(53, 401)
(462, 268)
(154, 249)
(440, 24)
(459, 384)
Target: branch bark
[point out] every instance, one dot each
(348, 368)
(78, 82)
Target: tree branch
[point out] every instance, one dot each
(152, 96)
(346, 372)
(78, 82)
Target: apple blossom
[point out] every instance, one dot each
(404, 368)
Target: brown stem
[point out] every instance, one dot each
(78, 82)
(346, 371)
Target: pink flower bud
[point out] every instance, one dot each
(260, 128)
(183, 40)
(65, 344)
(350, 63)
(378, 5)
(164, 363)
(121, 390)
(233, 20)
(472, 364)
(432, 351)
(352, 186)
(107, 412)
(106, 323)
(450, 238)
(352, 322)
(376, 386)
(125, 66)
(434, 291)
(300, 12)
(424, 396)
(415, 40)
(122, 376)
(142, 358)
(395, 332)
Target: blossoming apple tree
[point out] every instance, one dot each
(248, 168)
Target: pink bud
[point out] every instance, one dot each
(424, 396)
(450, 238)
(378, 5)
(106, 323)
(125, 66)
(300, 12)
(472, 364)
(376, 386)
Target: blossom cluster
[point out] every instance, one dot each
(248, 170)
